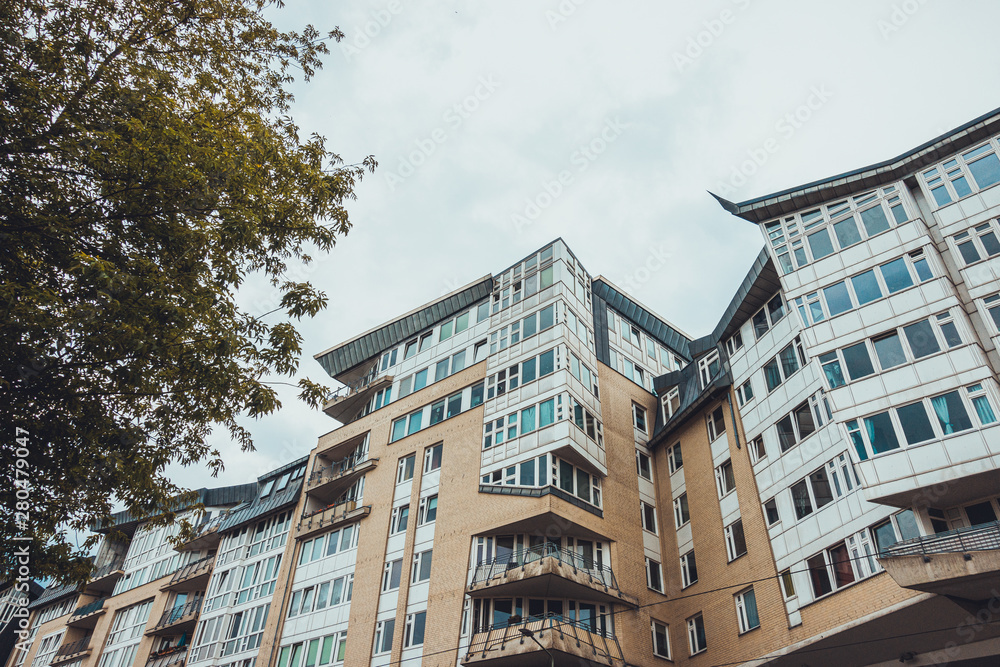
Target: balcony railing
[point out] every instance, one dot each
(498, 567)
(173, 656)
(338, 468)
(329, 515)
(96, 605)
(179, 613)
(67, 650)
(584, 640)
(984, 537)
(343, 392)
(116, 566)
(191, 570)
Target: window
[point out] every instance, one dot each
(383, 636)
(744, 393)
(807, 236)
(414, 634)
(410, 350)
(674, 459)
(696, 634)
(733, 344)
(654, 575)
(689, 569)
(963, 174)
(767, 317)
(661, 639)
(736, 543)
(708, 367)
(648, 517)
(992, 304)
(643, 466)
(811, 493)
(426, 341)
(391, 575)
(757, 449)
(639, 418)
(422, 566)
(716, 424)
(400, 517)
(803, 421)
(672, 399)
(784, 365)
(787, 586)
(432, 457)
(830, 363)
(428, 510)
(771, 512)
(724, 479)
(830, 570)
(898, 527)
(318, 652)
(681, 513)
(746, 610)
(979, 243)
(405, 472)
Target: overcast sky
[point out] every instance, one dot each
(500, 126)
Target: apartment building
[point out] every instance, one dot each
(538, 469)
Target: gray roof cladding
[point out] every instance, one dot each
(217, 497)
(259, 507)
(788, 201)
(354, 353)
(603, 293)
(52, 594)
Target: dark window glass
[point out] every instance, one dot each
(921, 338)
(859, 363)
(820, 244)
(800, 500)
(916, 425)
(546, 363)
(819, 576)
(874, 220)
(528, 371)
(831, 367)
(841, 562)
(847, 232)
(881, 433)
(990, 243)
(821, 488)
(760, 324)
(477, 395)
(969, 252)
(838, 300)
(866, 287)
(454, 405)
(789, 362)
(980, 513)
(786, 434)
(889, 350)
(896, 275)
(772, 375)
(951, 413)
(546, 318)
(804, 420)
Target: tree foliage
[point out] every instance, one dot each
(148, 166)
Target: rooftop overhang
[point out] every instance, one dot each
(788, 201)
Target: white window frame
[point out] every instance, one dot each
(641, 457)
(425, 510)
(954, 168)
(411, 624)
(689, 575)
(722, 484)
(664, 630)
(380, 631)
(429, 457)
(675, 457)
(731, 547)
(742, 605)
(418, 561)
(648, 513)
(682, 513)
(654, 569)
(714, 432)
(692, 624)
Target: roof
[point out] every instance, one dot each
(759, 285)
(222, 496)
(605, 294)
(692, 397)
(259, 507)
(53, 594)
(788, 201)
(351, 354)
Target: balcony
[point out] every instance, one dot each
(175, 655)
(77, 649)
(179, 619)
(331, 516)
(87, 615)
(558, 572)
(347, 401)
(570, 643)
(329, 482)
(103, 580)
(192, 577)
(206, 535)
(962, 563)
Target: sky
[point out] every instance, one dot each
(500, 126)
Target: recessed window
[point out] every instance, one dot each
(428, 510)
(696, 634)
(661, 639)
(639, 418)
(383, 636)
(648, 517)
(414, 634)
(757, 449)
(746, 610)
(716, 424)
(400, 519)
(654, 575)
(724, 478)
(674, 459)
(736, 543)
(643, 466)
(391, 575)
(689, 569)
(405, 471)
(432, 457)
(771, 512)
(681, 512)
(422, 566)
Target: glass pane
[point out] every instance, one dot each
(923, 269)
(874, 220)
(896, 275)
(921, 338)
(847, 232)
(831, 367)
(890, 351)
(789, 362)
(941, 195)
(837, 298)
(969, 252)
(820, 244)
(881, 433)
(907, 524)
(786, 434)
(951, 413)
(546, 363)
(821, 487)
(990, 243)
(916, 425)
(866, 287)
(760, 324)
(986, 172)
(859, 363)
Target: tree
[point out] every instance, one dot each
(148, 166)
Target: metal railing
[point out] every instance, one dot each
(575, 634)
(983, 537)
(78, 646)
(173, 656)
(370, 377)
(341, 467)
(117, 565)
(192, 569)
(89, 608)
(500, 566)
(179, 612)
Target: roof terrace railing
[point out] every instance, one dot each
(343, 466)
(600, 643)
(90, 608)
(78, 646)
